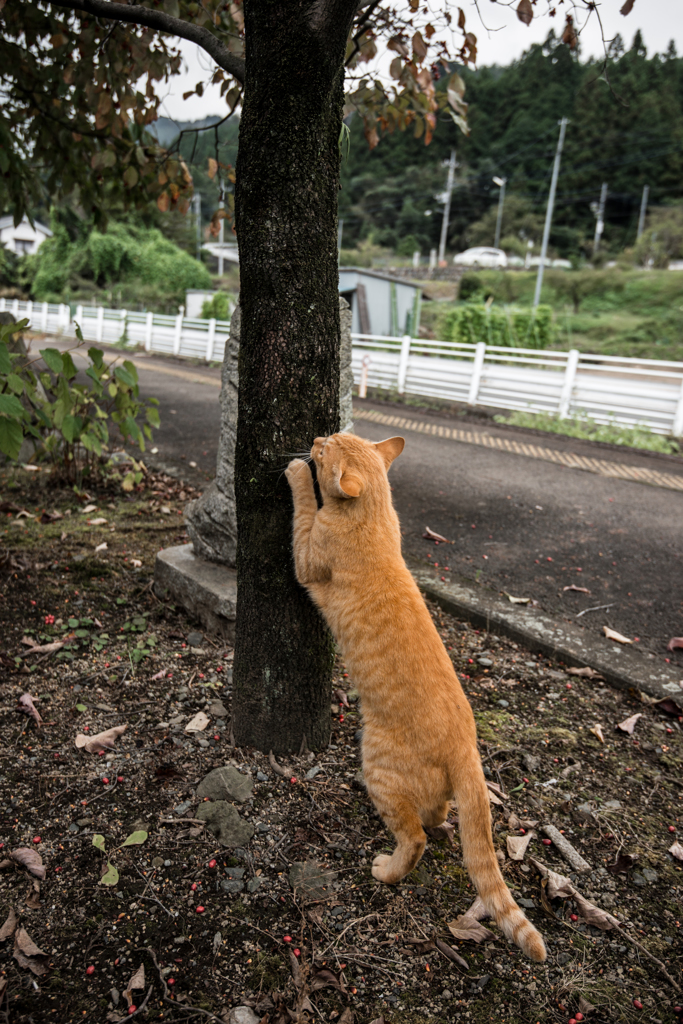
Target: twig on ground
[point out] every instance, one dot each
(143, 1004)
(359, 920)
(276, 767)
(571, 855)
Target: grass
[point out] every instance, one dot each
(582, 426)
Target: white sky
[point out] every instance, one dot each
(506, 39)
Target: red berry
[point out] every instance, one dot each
(194, 887)
(286, 938)
(297, 952)
(90, 970)
(574, 917)
(105, 780)
(84, 803)
(131, 1009)
(579, 1016)
(200, 910)
(36, 839)
(678, 1010)
(119, 778)
(568, 686)
(547, 842)
(293, 779)
(672, 828)
(523, 831)
(216, 737)
(637, 1003)
(171, 981)
(212, 863)
(100, 753)
(572, 1020)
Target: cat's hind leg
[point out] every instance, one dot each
(401, 817)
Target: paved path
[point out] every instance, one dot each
(527, 514)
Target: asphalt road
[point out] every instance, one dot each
(518, 524)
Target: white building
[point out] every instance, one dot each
(22, 238)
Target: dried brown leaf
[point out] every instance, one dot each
(136, 983)
(9, 926)
(623, 863)
(585, 1006)
(669, 705)
(198, 723)
(584, 673)
(579, 590)
(28, 707)
(450, 953)
(346, 1017)
(44, 648)
(101, 741)
(467, 927)
(27, 954)
(29, 859)
(676, 850)
(517, 845)
(593, 915)
(493, 787)
(627, 7)
(525, 11)
(629, 724)
(597, 731)
(32, 900)
(443, 831)
(558, 885)
(430, 535)
(341, 697)
(674, 643)
(612, 634)
(324, 978)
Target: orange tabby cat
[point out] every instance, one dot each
(419, 736)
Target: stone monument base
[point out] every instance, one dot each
(207, 591)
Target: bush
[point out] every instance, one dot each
(577, 285)
(217, 308)
(70, 422)
(583, 426)
(508, 328)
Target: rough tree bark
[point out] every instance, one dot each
(285, 207)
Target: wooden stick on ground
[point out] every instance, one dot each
(571, 855)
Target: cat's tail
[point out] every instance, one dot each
(479, 856)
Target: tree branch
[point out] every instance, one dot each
(137, 15)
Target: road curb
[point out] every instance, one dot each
(620, 666)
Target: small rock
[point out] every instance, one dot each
(608, 900)
(563, 958)
(225, 823)
(77, 688)
(243, 1015)
(531, 762)
(649, 875)
(182, 808)
(638, 879)
(168, 863)
(527, 904)
(262, 777)
(613, 805)
(485, 662)
(226, 784)
(254, 883)
(358, 735)
(235, 872)
(312, 772)
(73, 827)
(233, 886)
(158, 862)
(483, 982)
(194, 639)
(262, 827)
(218, 709)
(202, 743)
(446, 994)
(503, 703)
(115, 996)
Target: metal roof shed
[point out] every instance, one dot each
(380, 304)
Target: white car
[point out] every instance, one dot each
(481, 256)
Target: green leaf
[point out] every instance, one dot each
(71, 426)
(153, 417)
(96, 356)
(11, 406)
(98, 841)
(69, 368)
(16, 383)
(130, 176)
(135, 838)
(124, 376)
(111, 876)
(131, 369)
(81, 708)
(53, 359)
(113, 390)
(11, 437)
(5, 361)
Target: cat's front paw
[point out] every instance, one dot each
(382, 869)
(295, 467)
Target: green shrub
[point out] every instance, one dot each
(505, 327)
(217, 308)
(69, 421)
(582, 426)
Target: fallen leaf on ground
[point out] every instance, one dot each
(9, 925)
(101, 741)
(136, 563)
(644, 698)
(50, 517)
(29, 859)
(159, 675)
(597, 731)
(669, 705)
(584, 673)
(674, 643)
(341, 698)
(430, 535)
(517, 600)
(198, 723)
(493, 787)
(443, 831)
(595, 916)
(612, 634)
(97, 522)
(467, 927)
(585, 1006)
(629, 724)
(579, 590)
(570, 769)
(310, 879)
(32, 899)
(45, 648)
(450, 953)
(88, 508)
(27, 954)
(165, 510)
(101, 547)
(513, 822)
(558, 885)
(324, 978)
(623, 863)
(28, 707)
(135, 984)
(676, 850)
(346, 1017)
(517, 845)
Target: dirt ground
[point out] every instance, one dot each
(290, 925)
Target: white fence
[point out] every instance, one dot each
(607, 388)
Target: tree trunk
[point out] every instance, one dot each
(286, 222)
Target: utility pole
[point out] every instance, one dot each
(221, 233)
(198, 219)
(600, 219)
(447, 205)
(549, 212)
(643, 211)
(501, 183)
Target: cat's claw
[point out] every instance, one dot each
(381, 869)
(294, 468)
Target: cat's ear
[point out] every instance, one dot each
(390, 449)
(350, 484)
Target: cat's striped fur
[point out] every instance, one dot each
(419, 736)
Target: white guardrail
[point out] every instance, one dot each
(607, 388)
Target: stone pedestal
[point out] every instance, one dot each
(207, 591)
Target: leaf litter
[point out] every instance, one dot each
(369, 937)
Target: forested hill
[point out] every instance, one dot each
(626, 129)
